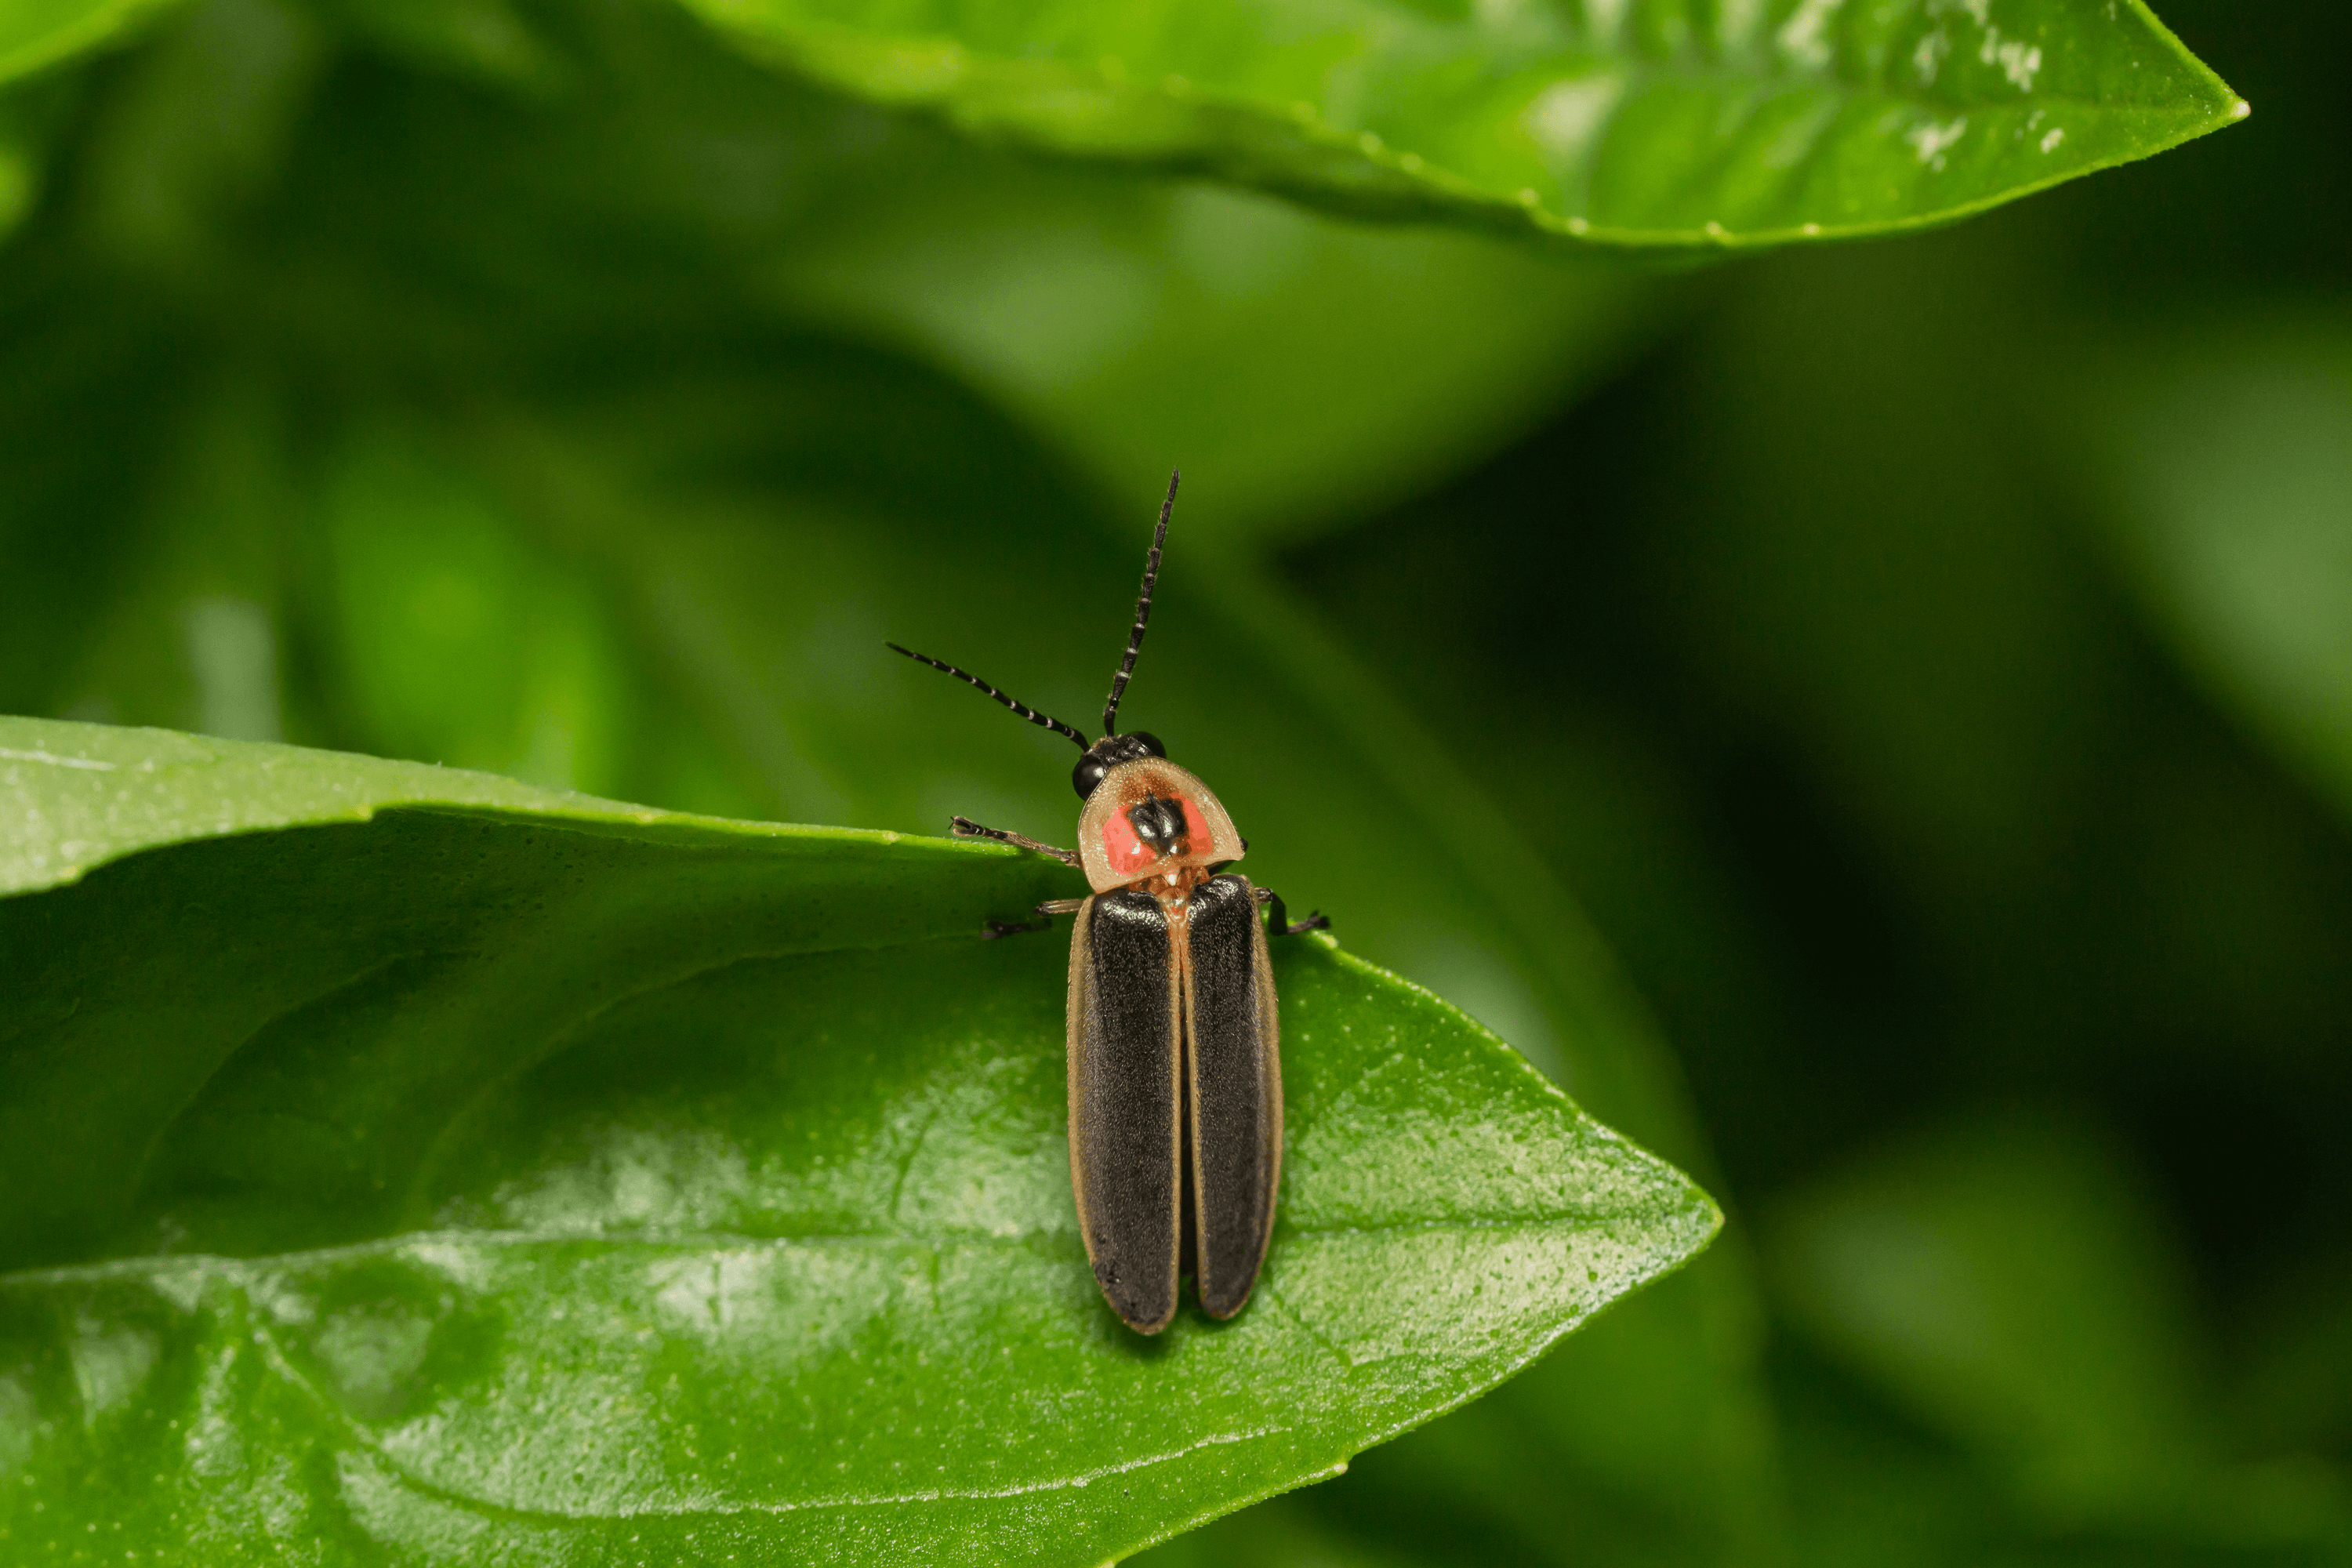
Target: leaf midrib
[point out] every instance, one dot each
(237, 1270)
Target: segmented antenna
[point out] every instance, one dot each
(1016, 705)
(1142, 610)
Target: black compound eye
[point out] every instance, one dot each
(1147, 741)
(1086, 774)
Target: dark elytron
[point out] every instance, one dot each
(1124, 1156)
(1231, 1043)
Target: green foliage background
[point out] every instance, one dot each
(1876, 723)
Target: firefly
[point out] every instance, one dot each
(1175, 1059)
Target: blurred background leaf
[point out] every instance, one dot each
(1304, 367)
(2230, 446)
(2004, 1281)
(37, 33)
(1916, 658)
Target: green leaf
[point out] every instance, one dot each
(2228, 453)
(405, 1159)
(37, 33)
(1675, 123)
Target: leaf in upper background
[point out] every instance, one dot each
(1676, 123)
(2229, 467)
(405, 1160)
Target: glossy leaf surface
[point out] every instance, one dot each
(468, 1172)
(1667, 122)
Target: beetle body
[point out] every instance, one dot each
(1174, 1038)
(1175, 1050)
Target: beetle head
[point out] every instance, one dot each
(1107, 753)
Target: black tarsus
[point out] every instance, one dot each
(1018, 706)
(1043, 920)
(1142, 609)
(1282, 925)
(994, 930)
(964, 827)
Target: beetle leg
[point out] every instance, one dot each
(1282, 925)
(1050, 907)
(966, 828)
(995, 929)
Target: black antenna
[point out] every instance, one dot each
(1018, 707)
(1142, 610)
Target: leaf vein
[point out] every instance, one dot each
(239, 1270)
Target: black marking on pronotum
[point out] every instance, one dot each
(1174, 1038)
(1158, 820)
